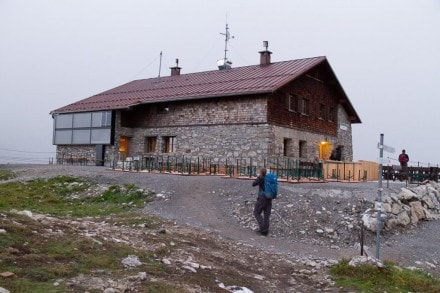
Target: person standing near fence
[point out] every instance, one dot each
(403, 160)
(263, 205)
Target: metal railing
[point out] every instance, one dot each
(286, 168)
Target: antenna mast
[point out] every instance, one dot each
(160, 65)
(225, 63)
(227, 37)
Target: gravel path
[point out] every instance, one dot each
(209, 202)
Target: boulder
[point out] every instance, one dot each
(403, 218)
(386, 207)
(426, 199)
(396, 208)
(407, 195)
(391, 223)
(417, 211)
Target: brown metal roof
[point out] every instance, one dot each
(246, 80)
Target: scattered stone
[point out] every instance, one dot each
(7, 275)
(25, 213)
(3, 290)
(191, 269)
(131, 261)
(142, 276)
(319, 231)
(109, 290)
(166, 261)
(259, 277)
(358, 260)
(2, 231)
(13, 250)
(162, 231)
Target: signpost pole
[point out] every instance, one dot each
(379, 197)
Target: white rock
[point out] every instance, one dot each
(109, 290)
(25, 213)
(259, 277)
(329, 230)
(142, 276)
(2, 231)
(131, 261)
(166, 261)
(319, 231)
(430, 265)
(191, 269)
(3, 290)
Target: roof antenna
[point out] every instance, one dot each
(160, 67)
(225, 63)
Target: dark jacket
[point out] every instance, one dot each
(260, 182)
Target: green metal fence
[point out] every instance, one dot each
(284, 167)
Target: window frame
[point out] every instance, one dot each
(169, 144)
(150, 144)
(305, 107)
(331, 114)
(322, 111)
(293, 100)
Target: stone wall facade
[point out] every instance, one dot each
(345, 135)
(224, 111)
(215, 141)
(308, 141)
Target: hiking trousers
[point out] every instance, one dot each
(263, 206)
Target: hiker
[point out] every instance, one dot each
(263, 204)
(403, 160)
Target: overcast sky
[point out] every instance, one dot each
(386, 54)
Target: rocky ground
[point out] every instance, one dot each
(313, 225)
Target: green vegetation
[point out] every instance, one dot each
(39, 253)
(64, 196)
(39, 259)
(6, 174)
(369, 278)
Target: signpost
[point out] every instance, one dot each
(389, 149)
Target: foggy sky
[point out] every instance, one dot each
(384, 53)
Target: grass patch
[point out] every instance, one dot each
(64, 196)
(39, 257)
(159, 287)
(6, 174)
(369, 278)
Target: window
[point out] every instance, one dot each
(331, 114)
(305, 107)
(287, 147)
(82, 120)
(169, 144)
(150, 144)
(302, 148)
(102, 119)
(321, 112)
(63, 121)
(292, 103)
(83, 128)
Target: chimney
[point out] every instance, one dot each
(175, 71)
(265, 55)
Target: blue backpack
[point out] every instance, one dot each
(270, 186)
